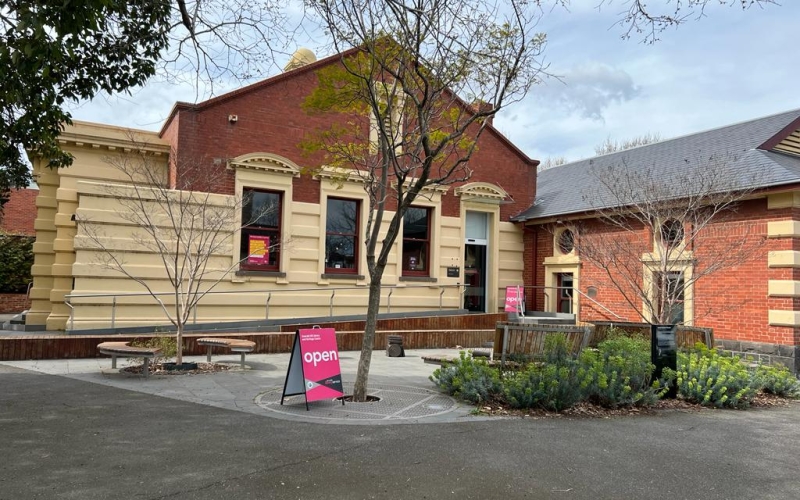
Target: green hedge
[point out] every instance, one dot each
(16, 259)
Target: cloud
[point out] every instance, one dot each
(589, 89)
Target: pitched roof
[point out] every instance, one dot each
(294, 72)
(574, 188)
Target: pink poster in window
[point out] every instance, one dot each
(321, 372)
(258, 250)
(513, 299)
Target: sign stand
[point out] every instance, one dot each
(314, 368)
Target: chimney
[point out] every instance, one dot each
(479, 106)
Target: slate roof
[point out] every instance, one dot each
(574, 187)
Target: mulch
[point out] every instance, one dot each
(158, 369)
(589, 410)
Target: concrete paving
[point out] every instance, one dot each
(78, 430)
(407, 395)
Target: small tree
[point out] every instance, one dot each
(406, 128)
(16, 256)
(646, 221)
(188, 228)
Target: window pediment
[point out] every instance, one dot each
(482, 191)
(265, 161)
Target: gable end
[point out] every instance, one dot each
(790, 145)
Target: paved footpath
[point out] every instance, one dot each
(68, 431)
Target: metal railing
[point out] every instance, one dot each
(558, 288)
(268, 297)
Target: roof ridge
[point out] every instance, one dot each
(713, 129)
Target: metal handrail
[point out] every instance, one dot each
(582, 294)
(69, 297)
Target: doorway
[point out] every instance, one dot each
(475, 259)
(564, 293)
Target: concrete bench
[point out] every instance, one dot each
(234, 345)
(123, 350)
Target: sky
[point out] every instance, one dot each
(730, 66)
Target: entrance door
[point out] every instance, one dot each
(475, 252)
(564, 303)
(475, 277)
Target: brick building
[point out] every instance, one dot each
(16, 220)
(753, 304)
(19, 212)
(247, 144)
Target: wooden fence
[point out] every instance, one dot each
(528, 339)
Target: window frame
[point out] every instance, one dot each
(671, 233)
(250, 229)
(559, 241)
(426, 271)
(680, 301)
(356, 237)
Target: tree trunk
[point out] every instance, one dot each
(179, 335)
(373, 307)
(179, 340)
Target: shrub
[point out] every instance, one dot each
(168, 346)
(555, 385)
(619, 373)
(705, 377)
(556, 349)
(468, 378)
(16, 254)
(547, 386)
(777, 380)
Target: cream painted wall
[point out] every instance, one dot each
(70, 263)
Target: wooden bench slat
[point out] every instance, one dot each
(122, 349)
(234, 345)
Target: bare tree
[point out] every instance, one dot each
(188, 229)
(612, 146)
(648, 230)
(551, 162)
(649, 19)
(216, 41)
(413, 63)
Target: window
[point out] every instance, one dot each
(391, 110)
(671, 233)
(672, 304)
(566, 241)
(341, 236)
(565, 284)
(261, 230)
(416, 241)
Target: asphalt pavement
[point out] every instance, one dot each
(68, 434)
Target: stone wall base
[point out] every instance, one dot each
(787, 355)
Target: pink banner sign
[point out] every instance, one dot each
(514, 299)
(322, 375)
(258, 250)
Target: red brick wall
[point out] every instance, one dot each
(19, 213)
(12, 303)
(271, 119)
(733, 301)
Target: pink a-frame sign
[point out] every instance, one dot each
(314, 369)
(514, 297)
